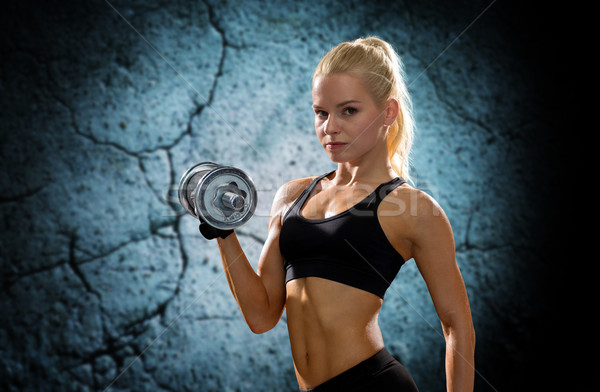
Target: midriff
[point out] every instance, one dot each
(332, 327)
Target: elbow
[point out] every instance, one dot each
(258, 329)
(262, 319)
(463, 332)
(261, 325)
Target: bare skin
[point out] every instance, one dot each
(332, 326)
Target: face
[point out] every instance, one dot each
(349, 124)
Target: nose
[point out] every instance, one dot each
(330, 127)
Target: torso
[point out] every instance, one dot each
(333, 326)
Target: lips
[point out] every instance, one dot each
(335, 145)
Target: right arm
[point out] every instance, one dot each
(261, 294)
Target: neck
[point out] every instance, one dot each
(373, 167)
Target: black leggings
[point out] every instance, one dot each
(380, 373)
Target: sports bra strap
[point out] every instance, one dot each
(300, 199)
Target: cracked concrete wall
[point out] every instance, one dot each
(107, 285)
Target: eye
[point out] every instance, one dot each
(349, 111)
(321, 113)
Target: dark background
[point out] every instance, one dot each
(107, 285)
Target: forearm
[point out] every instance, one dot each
(460, 359)
(246, 285)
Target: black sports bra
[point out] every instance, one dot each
(349, 247)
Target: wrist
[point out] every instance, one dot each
(209, 232)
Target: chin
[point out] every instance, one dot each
(340, 157)
(336, 159)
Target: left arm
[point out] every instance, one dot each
(432, 247)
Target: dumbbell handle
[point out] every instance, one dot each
(233, 200)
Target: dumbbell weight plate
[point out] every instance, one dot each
(218, 189)
(188, 183)
(222, 196)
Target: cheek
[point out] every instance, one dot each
(370, 126)
(363, 130)
(319, 128)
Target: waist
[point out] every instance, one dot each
(357, 374)
(314, 366)
(331, 328)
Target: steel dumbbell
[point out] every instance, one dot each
(222, 196)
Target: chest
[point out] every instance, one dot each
(334, 200)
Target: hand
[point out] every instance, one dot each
(210, 232)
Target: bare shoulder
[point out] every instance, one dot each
(413, 220)
(412, 203)
(288, 193)
(412, 212)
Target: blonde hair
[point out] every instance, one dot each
(380, 67)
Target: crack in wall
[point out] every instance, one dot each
(148, 181)
(118, 348)
(21, 197)
(167, 147)
(138, 155)
(72, 262)
(493, 137)
(12, 277)
(199, 109)
(212, 18)
(436, 84)
(219, 73)
(176, 227)
(184, 261)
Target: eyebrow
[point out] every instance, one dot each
(341, 103)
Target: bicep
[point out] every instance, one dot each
(270, 264)
(270, 269)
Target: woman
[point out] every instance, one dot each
(336, 241)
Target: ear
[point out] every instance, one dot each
(392, 109)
